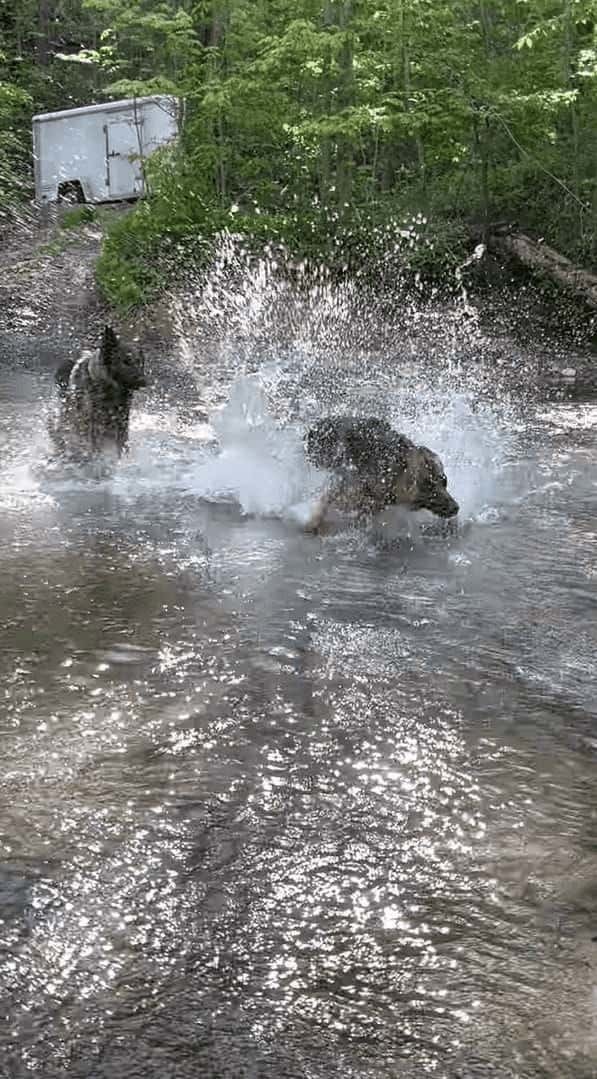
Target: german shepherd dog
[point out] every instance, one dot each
(374, 468)
(95, 393)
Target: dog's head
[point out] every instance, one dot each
(427, 484)
(121, 366)
(419, 482)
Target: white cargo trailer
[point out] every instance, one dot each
(96, 153)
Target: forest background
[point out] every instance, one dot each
(340, 130)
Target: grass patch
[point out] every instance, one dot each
(78, 216)
(53, 247)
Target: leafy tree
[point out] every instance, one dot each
(317, 121)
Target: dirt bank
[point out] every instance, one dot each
(50, 307)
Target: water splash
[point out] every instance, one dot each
(260, 464)
(264, 350)
(314, 346)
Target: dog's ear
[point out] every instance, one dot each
(109, 345)
(433, 463)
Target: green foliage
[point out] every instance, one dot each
(148, 247)
(155, 246)
(325, 129)
(79, 215)
(14, 103)
(318, 123)
(52, 248)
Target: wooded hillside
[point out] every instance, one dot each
(324, 123)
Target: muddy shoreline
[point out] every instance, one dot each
(50, 308)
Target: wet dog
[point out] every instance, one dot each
(95, 394)
(373, 467)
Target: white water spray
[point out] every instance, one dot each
(264, 357)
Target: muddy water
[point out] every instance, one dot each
(278, 806)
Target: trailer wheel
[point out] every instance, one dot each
(71, 192)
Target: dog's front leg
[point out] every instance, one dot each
(318, 514)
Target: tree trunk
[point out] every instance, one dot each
(325, 149)
(542, 259)
(481, 139)
(406, 85)
(345, 149)
(43, 41)
(568, 66)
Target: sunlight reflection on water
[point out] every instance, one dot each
(281, 806)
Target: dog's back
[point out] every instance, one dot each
(366, 444)
(375, 467)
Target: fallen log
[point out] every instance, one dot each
(543, 259)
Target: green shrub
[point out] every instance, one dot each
(77, 216)
(175, 229)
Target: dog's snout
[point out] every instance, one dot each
(449, 507)
(134, 379)
(441, 504)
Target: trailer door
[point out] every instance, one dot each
(124, 177)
